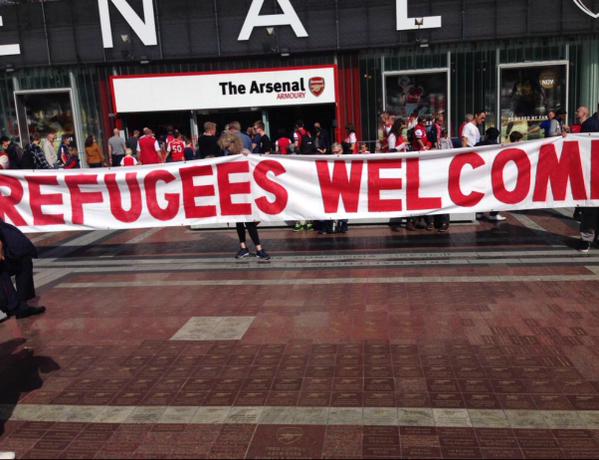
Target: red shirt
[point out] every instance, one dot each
(283, 143)
(128, 161)
(149, 149)
(177, 150)
(575, 129)
(299, 135)
(420, 135)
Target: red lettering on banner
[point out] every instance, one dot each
(37, 200)
(150, 184)
(559, 172)
(595, 170)
(414, 202)
(192, 191)
(522, 188)
(79, 198)
(8, 203)
(376, 185)
(226, 188)
(455, 177)
(116, 199)
(281, 195)
(341, 186)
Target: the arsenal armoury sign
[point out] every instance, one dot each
(225, 90)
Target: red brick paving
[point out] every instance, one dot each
(501, 345)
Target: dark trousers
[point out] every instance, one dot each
(22, 269)
(252, 229)
(589, 223)
(116, 160)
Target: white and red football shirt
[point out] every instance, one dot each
(177, 150)
(129, 161)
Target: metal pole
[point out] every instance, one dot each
(77, 121)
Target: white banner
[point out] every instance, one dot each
(541, 174)
(225, 90)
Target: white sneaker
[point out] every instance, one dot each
(497, 218)
(7, 455)
(3, 317)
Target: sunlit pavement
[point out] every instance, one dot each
(482, 342)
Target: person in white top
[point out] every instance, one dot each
(471, 132)
(48, 148)
(471, 138)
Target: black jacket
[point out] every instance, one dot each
(16, 244)
(15, 153)
(591, 125)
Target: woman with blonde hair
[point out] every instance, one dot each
(232, 144)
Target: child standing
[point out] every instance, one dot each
(129, 159)
(72, 162)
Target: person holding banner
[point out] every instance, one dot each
(470, 138)
(232, 144)
(589, 222)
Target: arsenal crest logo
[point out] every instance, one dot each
(316, 85)
(289, 435)
(585, 9)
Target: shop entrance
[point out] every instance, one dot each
(278, 120)
(159, 122)
(285, 118)
(246, 118)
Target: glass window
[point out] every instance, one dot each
(421, 93)
(527, 95)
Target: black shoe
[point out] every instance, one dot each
(443, 228)
(27, 311)
(410, 227)
(584, 247)
(242, 254)
(262, 255)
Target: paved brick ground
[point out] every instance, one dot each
(482, 343)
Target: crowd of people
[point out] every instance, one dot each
(395, 134)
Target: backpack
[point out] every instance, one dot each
(308, 147)
(431, 134)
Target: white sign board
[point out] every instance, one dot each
(225, 90)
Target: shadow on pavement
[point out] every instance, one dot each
(21, 372)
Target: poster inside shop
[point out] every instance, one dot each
(424, 94)
(528, 94)
(45, 113)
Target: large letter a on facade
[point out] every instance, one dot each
(287, 18)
